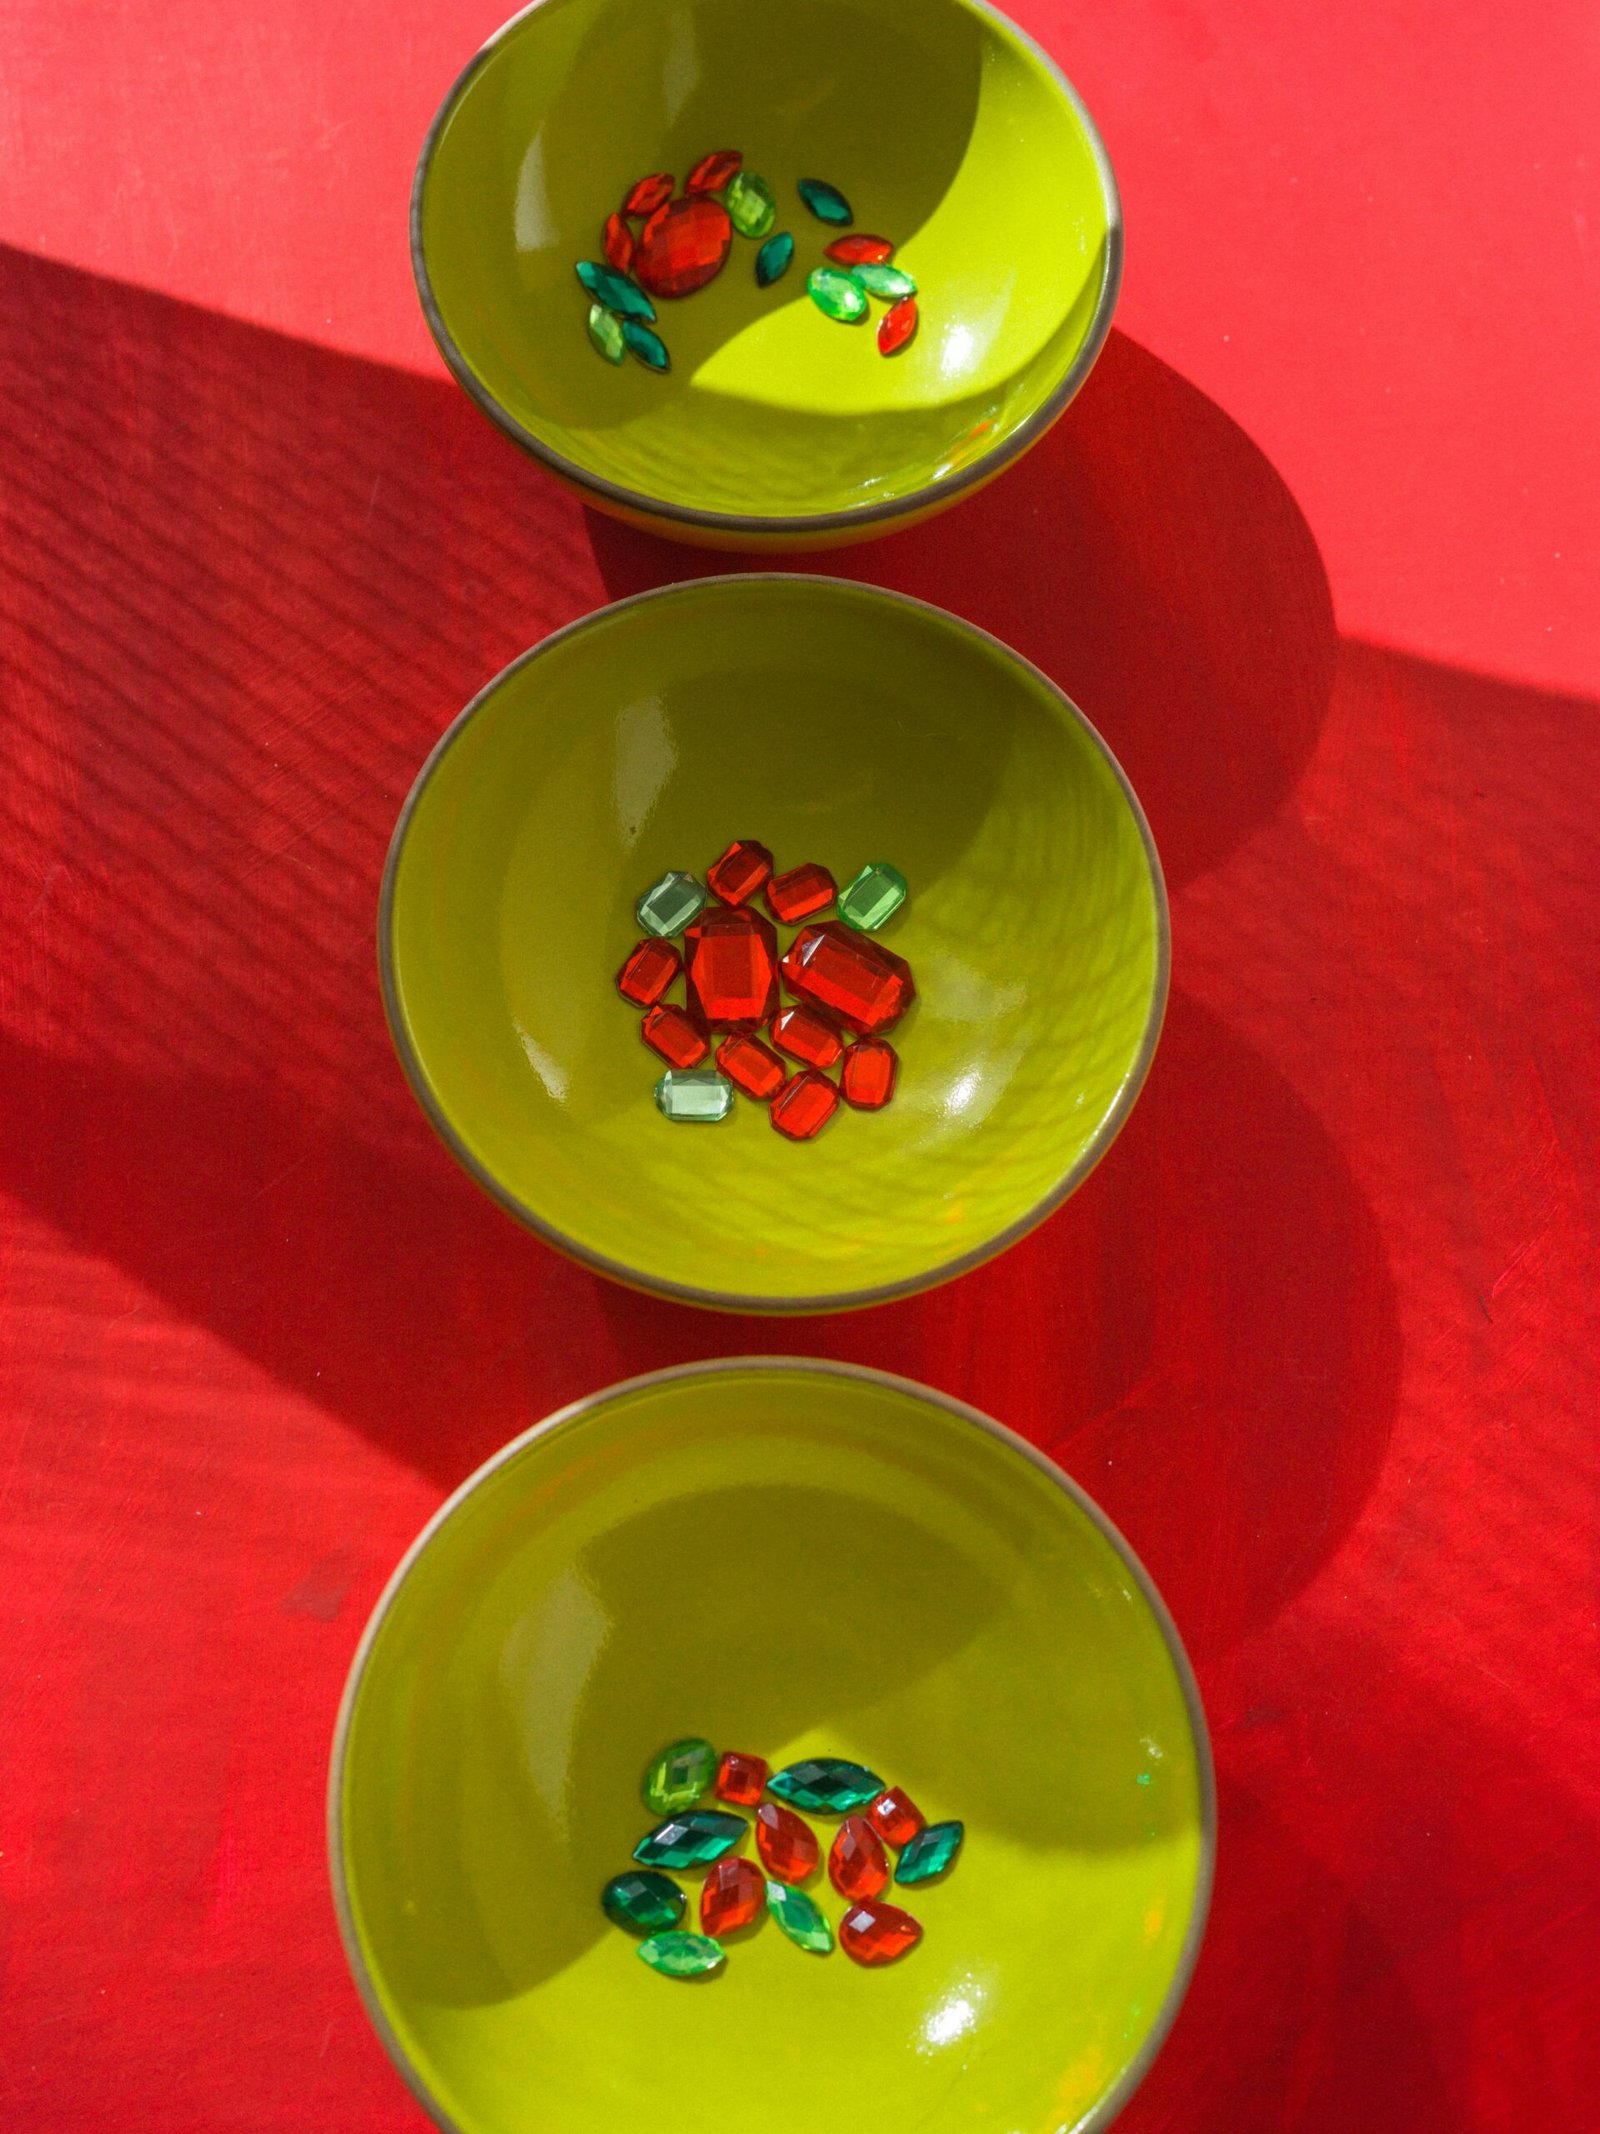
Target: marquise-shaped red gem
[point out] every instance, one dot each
(878, 1933)
(649, 194)
(788, 1848)
(757, 1070)
(849, 975)
(740, 872)
(648, 972)
(679, 1040)
(712, 172)
(896, 1817)
(897, 326)
(741, 1779)
(867, 1077)
(860, 249)
(733, 1894)
(857, 1864)
(796, 895)
(683, 246)
(618, 243)
(731, 956)
(803, 1107)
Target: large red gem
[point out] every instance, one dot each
(807, 1036)
(897, 326)
(730, 1897)
(618, 243)
(683, 246)
(740, 872)
(667, 1030)
(803, 1107)
(855, 978)
(860, 250)
(712, 172)
(857, 1864)
(741, 1779)
(648, 972)
(796, 895)
(867, 1077)
(649, 194)
(878, 1933)
(896, 1817)
(788, 1848)
(757, 1070)
(731, 956)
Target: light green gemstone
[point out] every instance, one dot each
(694, 1096)
(930, 1853)
(751, 203)
(891, 283)
(800, 1917)
(837, 294)
(605, 331)
(643, 1903)
(675, 902)
(692, 1840)
(679, 1775)
(826, 1784)
(875, 895)
(682, 1955)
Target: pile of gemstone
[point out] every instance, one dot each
(662, 244)
(737, 1891)
(847, 990)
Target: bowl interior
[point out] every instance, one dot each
(947, 130)
(789, 1561)
(832, 723)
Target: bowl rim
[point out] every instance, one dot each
(574, 1412)
(731, 1300)
(881, 514)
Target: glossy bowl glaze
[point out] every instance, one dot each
(834, 723)
(951, 133)
(791, 1559)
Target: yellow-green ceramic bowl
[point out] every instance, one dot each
(835, 723)
(790, 1559)
(950, 132)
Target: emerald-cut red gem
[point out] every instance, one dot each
(649, 970)
(712, 172)
(867, 1077)
(800, 893)
(860, 250)
(757, 1070)
(858, 1867)
(618, 243)
(896, 1817)
(897, 326)
(788, 1847)
(877, 1933)
(683, 246)
(741, 1779)
(732, 1895)
(731, 957)
(649, 194)
(743, 869)
(803, 1107)
(807, 1036)
(849, 975)
(675, 1036)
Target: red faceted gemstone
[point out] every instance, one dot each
(803, 1107)
(788, 1848)
(896, 1817)
(649, 194)
(618, 243)
(740, 872)
(757, 1070)
(857, 1865)
(848, 974)
(731, 957)
(860, 250)
(649, 970)
(807, 1036)
(667, 1030)
(798, 894)
(867, 1077)
(897, 326)
(712, 172)
(878, 1933)
(731, 1896)
(683, 246)
(741, 1779)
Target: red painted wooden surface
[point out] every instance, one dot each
(1316, 549)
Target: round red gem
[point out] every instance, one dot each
(649, 970)
(798, 894)
(712, 172)
(860, 250)
(850, 976)
(807, 1036)
(731, 1896)
(649, 194)
(618, 243)
(867, 1077)
(683, 246)
(740, 872)
(878, 1933)
(730, 955)
(857, 1864)
(788, 1848)
(896, 1817)
(741, 1779)
(757, 1070)
(803, 1107)
(680, 1042)
(897, 326)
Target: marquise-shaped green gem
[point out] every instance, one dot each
(679, 1775)
(682, 1955)
(932, 1852)
(692, 1840)
(751, 203)
(643, 1903)
(837, 294)
(774, 258)
(614, 290)
(645, 343)
(605, 331)
(826, 201)
(891, 283)
(826, 1784)
(800, 1917)
(874, 897)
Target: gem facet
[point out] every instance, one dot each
(896, 1817)
(643, 1903)
(681, 1955)
(752, 204)
(890, 283)
(730, 956)
(669, 905)
(730, 1896)
(875, 895)
(896, 327)
(867, 1078)
(800, 893)
(712, 172)
(649, 194)
(825, 201)
(649, 970)
(683, 246)
(788, 1848)
(741, 871)
(605, 331)
(800, 1917)
(617, 244)
(931, 1852)
(859, 249)
(857, 1864)
(677, 1777)
(807, 1036)
(826, 1784)
(772, 261)
(757, 1070)
(673, 1035)
(853, 977)
(614, 290)
(697, 1097)
(837, 294)
(645, 343)
(694, 1839)
(804, 1105)
(878, 1933)
(741, 1779)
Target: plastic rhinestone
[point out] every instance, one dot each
(851, 976)
(730, 1896)
(825, 201)
(605, 331)
(741, 1779)
(677, 1777)
(896, 1817)
(801, 1918)
(698, 1096)
(694, 1839)
(873, 898)
(867, 1078)
(669, 905)
(757, 1070)
(645, 343)
(896, 327)
(878, 1933)
(752, 205)
(804, 1105)
(743, 869)
(837, 294)
(826, 1784)
(682, 1955)
(730, 957)
(859, 249)
(932, 1852)
(643, 1903)
(788, 1847)
(807, 1036)
(614, 290)
(772, 261)
(674, 1036)
(889, 283)
(649, 194)
(858, 1867)
(712, 172)
(800, 894)
(649, 970)
(617, 242)
(683, 246)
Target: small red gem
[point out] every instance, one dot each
(712, 172)
(803, 1107)
(878, 1933)
(649, 970)
(740, 872)
(649, 194)
(757, 1070)
(683, 246)
(731, 1896)
(860, 250)
(741, 1779)
(798, 894)
(618, 243)
(855, 978)
(857, 1866)
(867, 1077)
(731, 957)
(680, 1042)
(788, 1848)
(896, 1817)
(897, 326)
(807, 1036)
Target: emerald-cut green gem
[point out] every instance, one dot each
(679, 1775)
(614, 290)
(670, 905)
(800, 1917)
(875, 895)
(772, 261)
(643, 1903)
(891, 283)
(837, 294)
(751, 203)
(605, 331)
(826, 201)
(825, 1784)
(682, 1955)
(694, 1096)
(692, 1840)
(644, 342)
(931, 1852)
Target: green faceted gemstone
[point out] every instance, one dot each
(930, 1853)
(837, 294)
(692, 1840)
(682, 1955)
(773, 260)
(825, 1784)
(875, 895)
(826, 201)
(645, 1903)
(800, 1917)
(679, 1775)
(891, 283)
(673, 903)
(614, 290)
(694, 1096)
(751, 203)
(605, 331)
(645, 343)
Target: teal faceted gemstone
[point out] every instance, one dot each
(891, 283)
(931, 1852)
(800, 1917)
(837, 294)
(679, 1775)
(692, 1840)
(773, 260)
(751, 203)
(825, 1784)
(682, 1955)
(670, 905)
(645, 343)
(694, 1096)
(614, 290)
(643, 1904)
(605, 331)
(826, 201)
(875, 895)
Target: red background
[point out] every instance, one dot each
(1316, 548)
